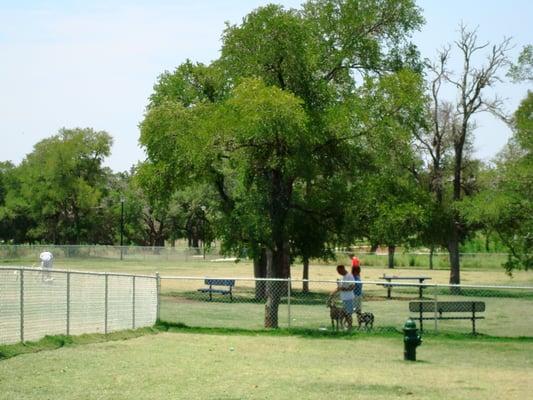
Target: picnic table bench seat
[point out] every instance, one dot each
(419, 285)
(215, 283)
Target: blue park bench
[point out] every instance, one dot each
(229, 283)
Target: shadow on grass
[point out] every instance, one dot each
(245, 295)
(300, 332)
(383, 332)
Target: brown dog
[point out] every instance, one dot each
(339, 317)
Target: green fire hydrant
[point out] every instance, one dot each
(411, 340)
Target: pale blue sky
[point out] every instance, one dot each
(93, 63)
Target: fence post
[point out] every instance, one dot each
(289, 300)
(158, 294)
(133, 303)
(68, 303)
(22, 305)
(105, 304)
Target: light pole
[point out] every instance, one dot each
(121, 226)
(204, 208)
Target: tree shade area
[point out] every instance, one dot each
(315, 129)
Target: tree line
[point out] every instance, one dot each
(315, 128)
(62, 194)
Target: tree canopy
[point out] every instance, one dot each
(506, 205)
(59, 187)
(299, 101)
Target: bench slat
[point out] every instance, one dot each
(406, 278)
(391, 284)
(447, 306)
(220, 282)
(214, 291)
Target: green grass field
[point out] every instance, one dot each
(219, 366)
(504, 316)
(484, 273)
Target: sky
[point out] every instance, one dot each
(94, 63)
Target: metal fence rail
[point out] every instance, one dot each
(36, 302)
(508, 309)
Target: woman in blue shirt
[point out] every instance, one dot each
(358, 290)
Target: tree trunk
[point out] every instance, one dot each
(305, 277)
(453, 242)
(286, 264)
(453, 249)
(195, 241)
(160, 237)
(392, 249)
(373, 248)
(431, 252)
(278, 257)
(76, 225)
(273, 291)
(277, 267)
(260, 271)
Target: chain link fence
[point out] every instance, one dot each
(180, 253)
(424, 259)
(243, 303)
(140, 253)
(36, 302)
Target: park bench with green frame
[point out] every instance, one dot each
(438, 308)
(229, 283)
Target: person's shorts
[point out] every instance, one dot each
(348, 306)
(357, 304)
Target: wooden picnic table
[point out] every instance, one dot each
(389, 279)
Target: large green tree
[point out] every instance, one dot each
(285, 110)
(452, 128)
(506, 205)
(14, 223)
(60, 186)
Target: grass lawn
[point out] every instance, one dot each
(482, 274)
(504, 316)
(217, 366)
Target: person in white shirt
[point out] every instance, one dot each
(47, 262)
(345, 287)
